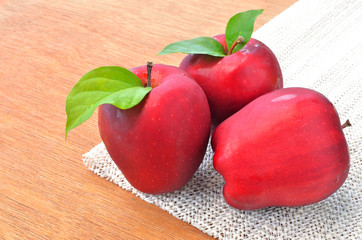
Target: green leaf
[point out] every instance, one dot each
(241, 24)
(200, 45)
(113, 85)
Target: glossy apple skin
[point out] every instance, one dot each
(286, 148)
(233, 81)
(159, 144)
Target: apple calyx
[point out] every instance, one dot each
(239, 40)
(149, 70)
(346, 124)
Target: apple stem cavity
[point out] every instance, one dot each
(346, 124)
(239, 40)
(149, 70)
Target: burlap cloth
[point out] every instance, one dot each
(319, 46)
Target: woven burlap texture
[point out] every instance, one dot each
(319, 46)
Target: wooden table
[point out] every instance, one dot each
(45, 47)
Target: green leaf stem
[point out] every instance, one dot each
(241, 24)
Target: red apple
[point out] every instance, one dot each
(233, 81)
(159, 144)
(286, 148)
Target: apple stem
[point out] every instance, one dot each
(149, 69)
(239, 40)
(346, 124)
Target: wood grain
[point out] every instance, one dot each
(46, 46)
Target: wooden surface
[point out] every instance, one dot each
(46, 46)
